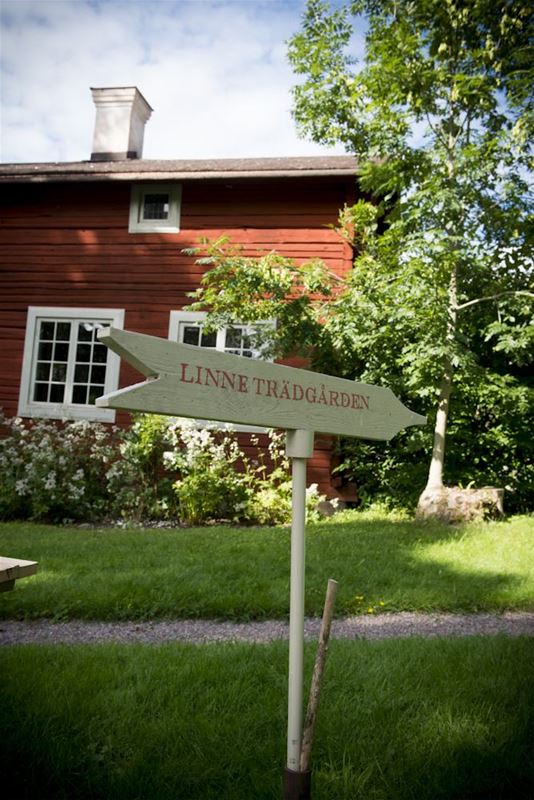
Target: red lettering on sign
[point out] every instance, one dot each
(359, 401)
(228, 380)
(271, 389)
(311, 394)
(280, 390)
(298, 392)
(210, 376)
(257, 383)
(284, 394)
(183, 375)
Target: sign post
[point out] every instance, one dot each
(187, 381)
(299, 448)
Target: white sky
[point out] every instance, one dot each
(214, 71)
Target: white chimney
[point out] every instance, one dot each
(121, 114)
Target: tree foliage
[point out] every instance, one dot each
(439, 114)
(439, 305)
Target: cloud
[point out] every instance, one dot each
(215, 73)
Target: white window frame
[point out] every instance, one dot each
(170, 225)
(178, 318)
(32, 408)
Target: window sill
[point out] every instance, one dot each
(57, 411)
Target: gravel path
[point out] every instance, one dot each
(382, 626)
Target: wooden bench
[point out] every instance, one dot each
(13, 568)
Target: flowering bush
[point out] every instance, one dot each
(271, 504)
(54, 472)
(160, 468)
(209, 486)
(270, 500)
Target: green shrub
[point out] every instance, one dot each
(271, 498)
(140, 488)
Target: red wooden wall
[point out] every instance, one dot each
(67, 244)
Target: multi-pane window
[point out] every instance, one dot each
(71, 363)
(65, 366)
(239, 340)
(155, 208)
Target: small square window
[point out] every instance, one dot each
(40, 393)
(190, 334)
(155, 208)
(47, 330)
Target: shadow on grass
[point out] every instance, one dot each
(243, 573)
(405, 720)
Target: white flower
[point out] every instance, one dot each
(168, 457)
(76, 492)
(50, 482)
(114, 471)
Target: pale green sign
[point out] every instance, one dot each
(189, 381)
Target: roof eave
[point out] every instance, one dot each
(194, 170)
(171, 176)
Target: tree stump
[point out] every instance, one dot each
(453, 504)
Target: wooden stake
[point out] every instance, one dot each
(315, 688)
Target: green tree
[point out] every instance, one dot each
(439, 115)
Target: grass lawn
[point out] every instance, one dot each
(383, 564)
(398, 720)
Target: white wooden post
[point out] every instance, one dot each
(299, 448)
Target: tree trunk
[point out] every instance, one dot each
(435, 473)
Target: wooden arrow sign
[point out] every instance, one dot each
(189, 381)
(197, 382)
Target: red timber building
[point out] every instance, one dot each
(96, 242)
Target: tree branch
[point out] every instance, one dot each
(492, 297)
(435, 130)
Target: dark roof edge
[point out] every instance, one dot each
(150, 170)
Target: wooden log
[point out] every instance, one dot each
(315, 689)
